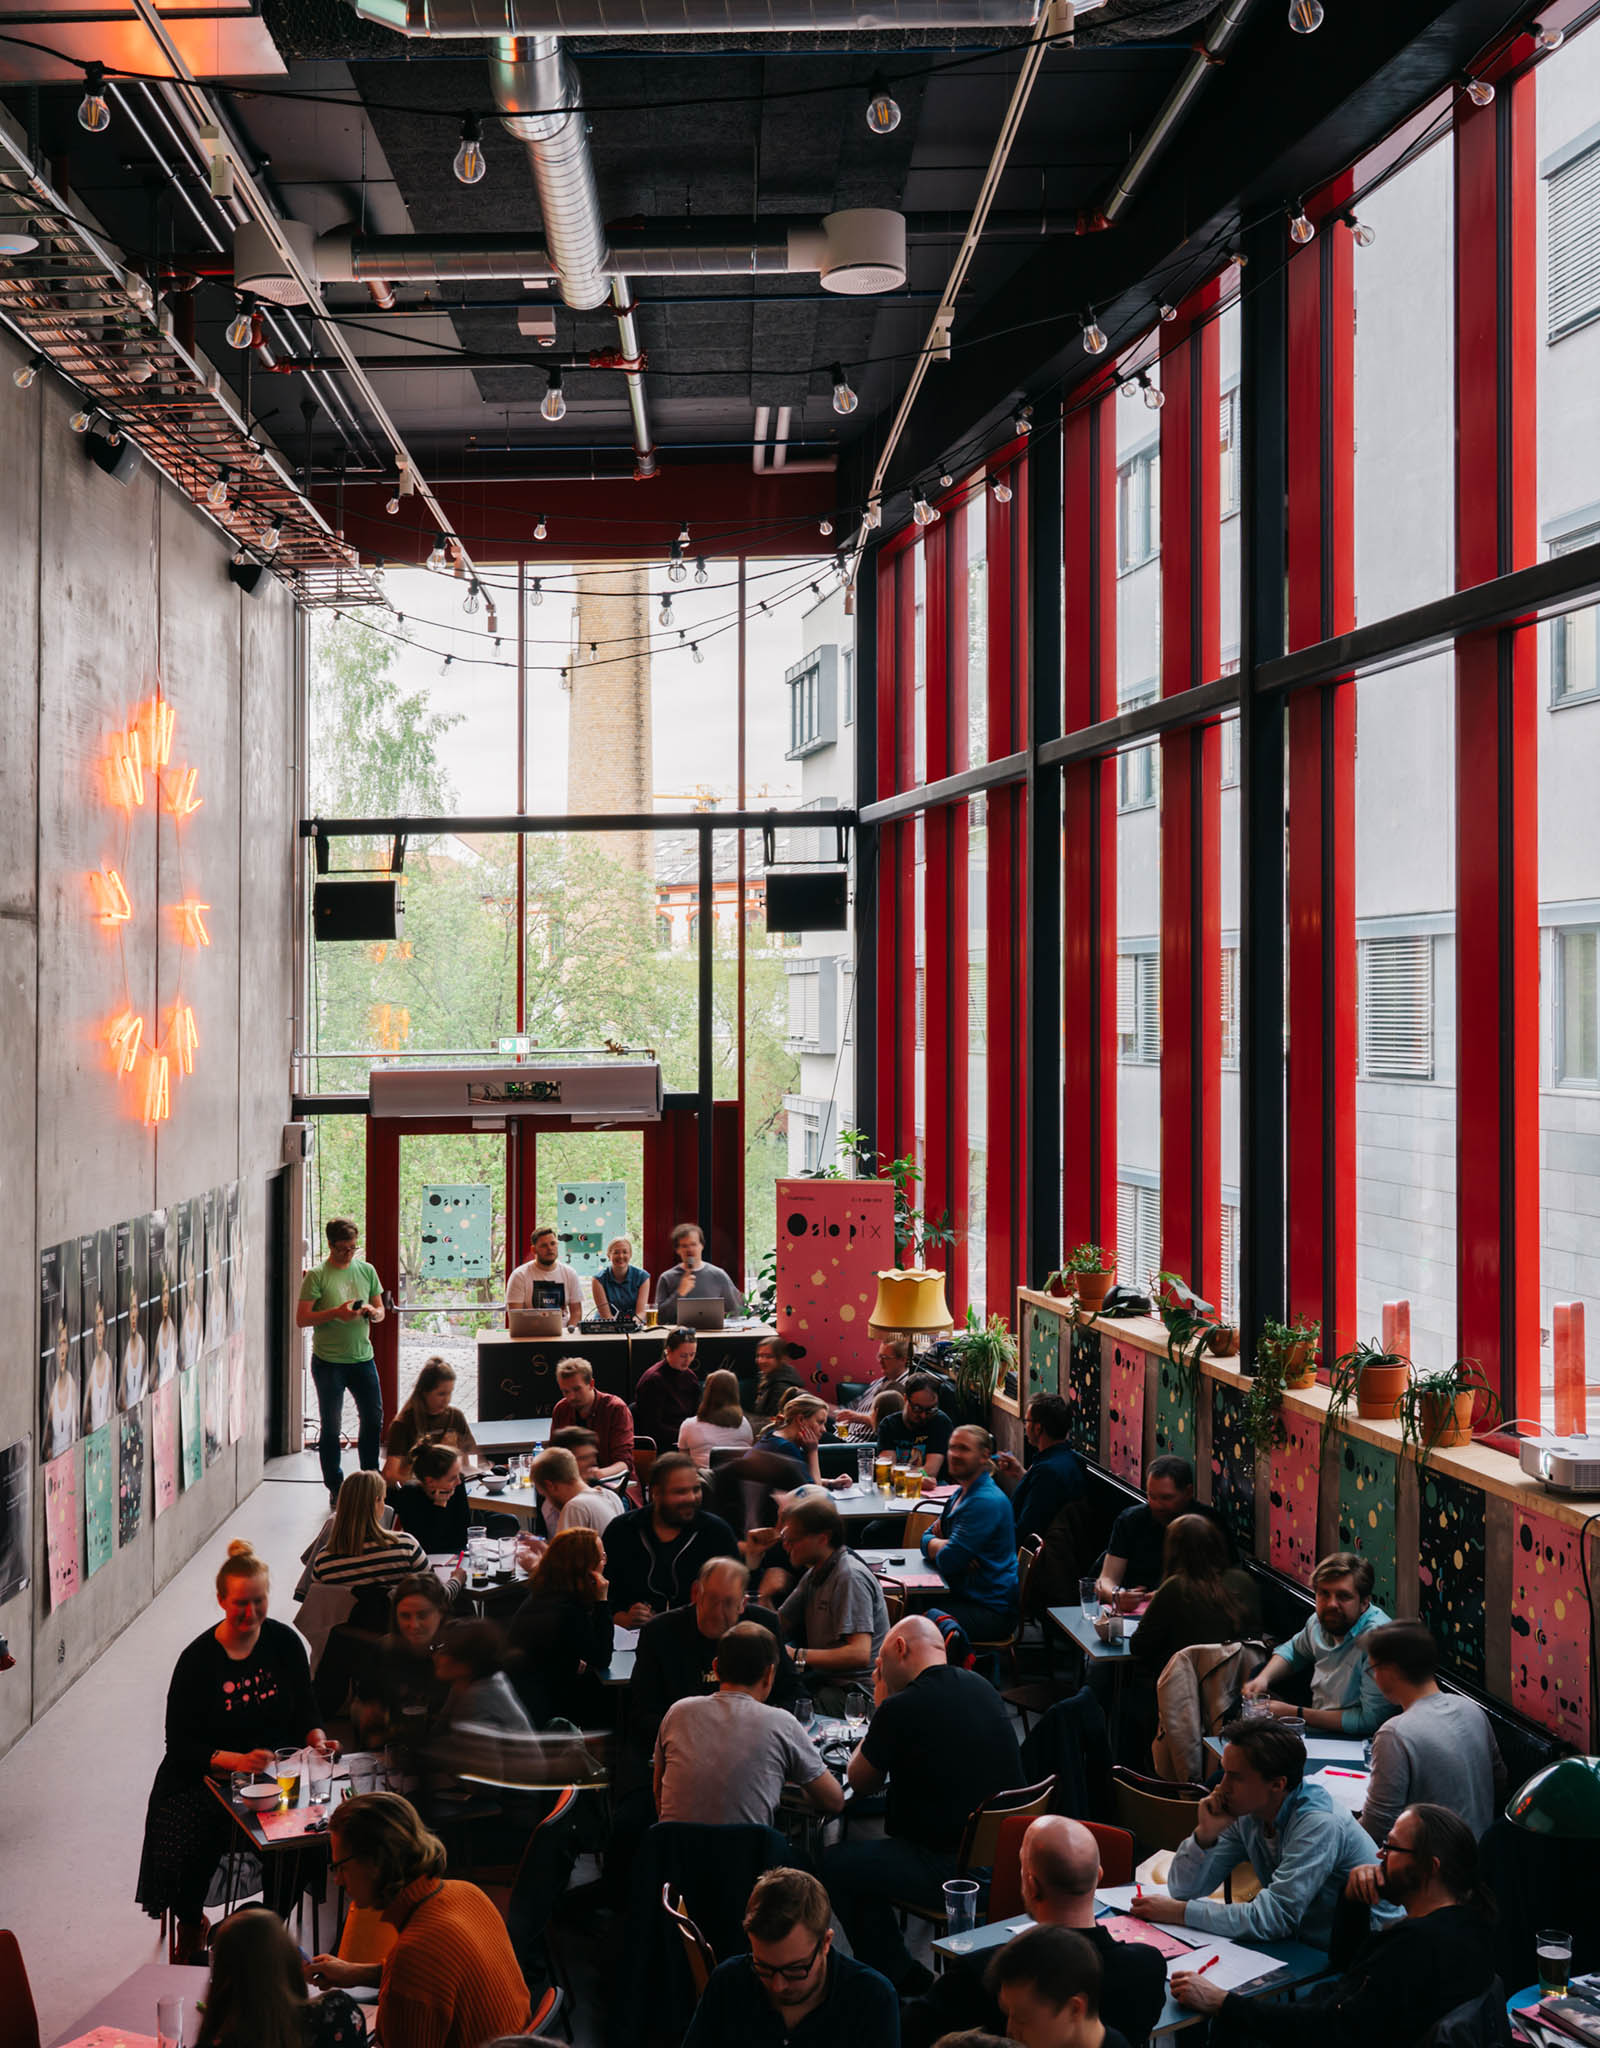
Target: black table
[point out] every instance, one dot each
(517, 1375)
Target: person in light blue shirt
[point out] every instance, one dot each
(1345, 1697)
(1299, 1844)
(974, 1547)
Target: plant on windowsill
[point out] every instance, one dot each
(1286, 1356)
(1435, 1412)
(1089, 1271)
(1373, 1378)
(982, 1354)
(1190, 1325)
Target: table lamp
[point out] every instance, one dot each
(1562, 1800)
(910, 1303)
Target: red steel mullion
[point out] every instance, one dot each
(1002, 1076)
(959, 1155)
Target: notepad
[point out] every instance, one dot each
(1234, 1966)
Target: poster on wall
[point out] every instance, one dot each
(130, 1475)
(59, 1324)
(589, 1214)
(133, 1300)
(16, 1522)
(216, 1421)
(97, 1492)
(834, 1238)
(161, 1321)
(216, 1326)
(191, 1282)
(236, 1287)
(191, 1408)
(98, 1256)
(456, 1233)
(164, 1435)
(61, 1526)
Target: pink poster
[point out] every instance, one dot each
(165, 1405)
(1125, 1416)
(235, 1385)
(1549, 1627)
(61, 1525)
(834, 1238)
(1292, 1508)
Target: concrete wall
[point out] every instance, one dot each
(103, 589)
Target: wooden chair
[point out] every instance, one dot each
(698, 1952)
(1117, 1852)
(19, 2017)
(644, 1457)
(1158, 1815)
(980, 1840)
(1005, 1877)
(1006, 1645)
(918, 1522)
(500, 1884)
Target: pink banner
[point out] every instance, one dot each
(165, 1410)
(61, 1525)
(834, 1237)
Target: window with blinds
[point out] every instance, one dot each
(1230, 1006)
(1139, 1008)
(1397, 1008)
(1574, 645)
(1228, 1298)
(1578, 1035)
(1574, 201)
(1230, 452)
(1138, 1233)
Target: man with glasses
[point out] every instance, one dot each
(792, 1989)
(1406, 1977)
(1299, 1844)
(339, 1302)
(924, 1427)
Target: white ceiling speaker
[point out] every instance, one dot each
(864, 251)
(260, 270)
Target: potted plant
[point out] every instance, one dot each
(1291, 1349)
(1263, 1415)
(1373, 1378)
(1091, 1270)
(982, 1354)
(1435, 1410)
(1059, 1284)
(1188, 1321)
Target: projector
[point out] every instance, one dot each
(1565, 1464)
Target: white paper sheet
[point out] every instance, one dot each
(1345, 1786)
(1235, 1966)
(1335, 1749)
(1119, 1897)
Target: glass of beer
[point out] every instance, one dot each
(1553, 1945)
(288, 1761)
(882, 1471)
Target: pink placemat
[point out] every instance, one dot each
(279, 1826)
(111, 2037)
(1124, 1927)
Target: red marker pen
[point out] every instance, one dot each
(1138, 1891)
(1209, 1966)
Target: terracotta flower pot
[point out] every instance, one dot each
(1300, 1366)
(1449, 1416)
(1223, 1343)
(1378, 1393)
(1092, 1290)
(1059, 1288)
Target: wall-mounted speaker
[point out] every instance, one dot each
(808, 899)
(118, 458)
(364, 908)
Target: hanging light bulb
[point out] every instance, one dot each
(683, 534)
(1305, 16)
(471, 603)
(1302, 228)
(1094, 337)
(393, 505)
(824, 527)
(239, 558)
(82, 420)
(1547, 38)
(470, 163)
(1360, 233)
(553, 405)
(536, 595)
(702, 575)
(1022, 420)
(921, 511)
(25, 373)
(93, 113)
(540, 531)
(217, 496)
(1168, 313)
(694, 649)
(883, 109)
(241, 328)
(1154, 397)
(665, 614)
(844, 399)
(677, 567)
(1480, 92)
(437, 558)
(379, 576)
(872, 518)
(1001, 489)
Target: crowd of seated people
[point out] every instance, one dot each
(704, 1735)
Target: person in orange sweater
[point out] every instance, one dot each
(451, 1980)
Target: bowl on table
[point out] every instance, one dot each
(495, 1482)
(261, 1792)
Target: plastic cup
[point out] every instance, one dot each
(802, 1710)
(169, 2023)
(960, 1905)
(1553, 1946)
(1089, 1597)
(864, 1465)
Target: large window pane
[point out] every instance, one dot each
(1232, 468)
(976, 1052)
(1138, 1034)
(976, 737)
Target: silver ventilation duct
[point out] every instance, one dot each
(494, 18)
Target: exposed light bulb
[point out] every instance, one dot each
(438, 557)
(1480, 92)
(1168, 313)
(393, 505)
(472, 602)
(93, 113)
(664, 616)
(1302, 228)
(683, 534)
(536, 594)
(694, 649)
(1547, 38)
(1001, 489)
(540, 531)
(239, 558)
(946, 481)
(702, 575)
(1305, 16)
(553, 405)
(1094, 337)
(470, 163)
(81, 421)
(240, 329)
(824, 527)
(883, 109)
(379, 575)
(677, 567)
(217, 496)
(1360, 233)
(26, 373)
(1154, 397)
(844, 399)
(921, 511)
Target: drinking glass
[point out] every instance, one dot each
(857, 1707)
(288, 1775)
(864, 1461)
(882, 1471)
(1553, 1945)
(169, 2023)
(319, 1777)
(802, 1710)
(1255, 1706)
(363, 1776)
(1089, 1597)
(960, 1905)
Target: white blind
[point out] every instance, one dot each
(1575, 243)
(1230, 1006)
(1397, 1008)
(1228, 1302)
(1139, 1008)
(1138, 1233)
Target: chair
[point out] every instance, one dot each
(840, 1461)
(546, 2012)
(1478, 2023)
(980, 1840)
(644, 1457)
(698, 1952)
(1156, 1814)
(1027, 1556)
(1117, 1852)
(20, 2026)
(1005, 1877)
(918, 1521)
(527, 1897)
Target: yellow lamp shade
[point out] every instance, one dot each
(909, 1304)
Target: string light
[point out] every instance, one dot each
(1168, 313)
(1094, 337)
(1305, 16)
(702, 575)
(1360, 233)
(472, 603)
(683, 534)
(1001, 489)
(1154, 397)
(25, 373)
(921, 511)
(541, 531)
(470, 163)
(82, 420)
(665, 613)
(1547, 38)
(554, 406)
(1302, 228)
(241, 328)
(1480, 92)
(883, 109)
(1022, 420)
(379, 573)
(93, 113)
(824, 526)
(437, 557)
(127, 769)
(677, 568)
(157, 722)
(536, 595)
(694, 649)
(217, 496)
(393, 505)
(844, 399)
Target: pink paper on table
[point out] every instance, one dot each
(279, 1826)
(61, 1525)
(1124, 1927)
(165, 1434)
(111, 2037)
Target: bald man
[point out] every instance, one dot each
(1060, 1870)
(942, 1740)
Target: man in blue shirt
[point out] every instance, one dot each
(791, 1990)
(974, 1548)
(1300, 1845)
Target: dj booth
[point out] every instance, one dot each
(517, 1375)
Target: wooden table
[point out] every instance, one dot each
(131, 2008)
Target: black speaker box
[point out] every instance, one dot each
(119, 458)
(362, 909)
(807, 900)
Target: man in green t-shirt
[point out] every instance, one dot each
(340, 1300)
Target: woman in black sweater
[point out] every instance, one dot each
(240, 1692)
(432, 1505)
(561, 1634)
(1201, 1599)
